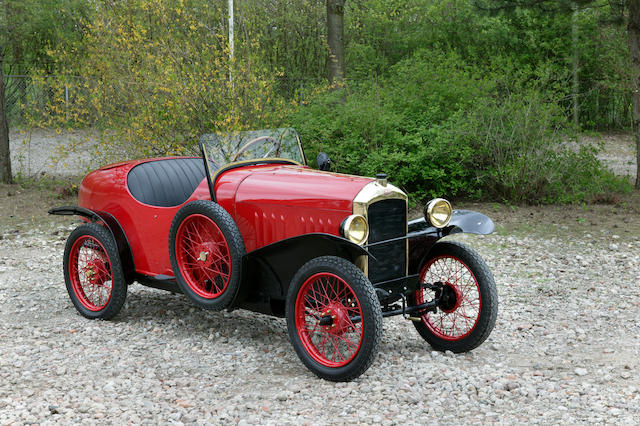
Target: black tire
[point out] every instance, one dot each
(93, 272)
(212, 277)
(469, 289)
(344, 293)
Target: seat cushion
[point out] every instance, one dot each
(165, 183)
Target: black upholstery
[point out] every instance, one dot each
(165, 183)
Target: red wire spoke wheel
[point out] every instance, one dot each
(203, 256)
(90, 273)
(94, 277)
(206, 249)
(334, 318)
(467, 298)
(336, 343)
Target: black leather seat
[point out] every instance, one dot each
(165, 183)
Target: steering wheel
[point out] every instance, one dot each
(253, 142)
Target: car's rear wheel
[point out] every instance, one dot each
(468, 301)
(333, 318)
(206, 250)
(93, 273)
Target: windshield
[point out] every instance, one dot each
(225, 148)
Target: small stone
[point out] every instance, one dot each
(511, 385)
(580, 371)
(283, 396)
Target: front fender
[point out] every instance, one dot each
(422, 236)
(466, 221)
(268, 270)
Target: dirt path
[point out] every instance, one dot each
(45, 152)
(618, 152)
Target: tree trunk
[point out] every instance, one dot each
(5, 157)
(335, 37)
(633, 31)
(575, 66)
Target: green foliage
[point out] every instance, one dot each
(156, 76)
(30, 29)
(444, 98)
(436, 128)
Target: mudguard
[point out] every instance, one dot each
(422, 235)
(268, 270)
(124, 250)
(466, 221)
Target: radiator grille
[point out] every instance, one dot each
(387, 220)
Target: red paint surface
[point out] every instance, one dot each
(277, 202)
(268, 203)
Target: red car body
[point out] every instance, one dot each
(262, 215)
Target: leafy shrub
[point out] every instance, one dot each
(156, 76)
(521, 153)
(437, 129)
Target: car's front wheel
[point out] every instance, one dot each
(334, 318)
(467, 298)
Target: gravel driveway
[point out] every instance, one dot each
(565, 349)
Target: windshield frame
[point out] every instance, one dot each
(212, 173)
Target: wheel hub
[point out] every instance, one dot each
(450, 298)
(340, 321)
(95, 272)
(203, 255)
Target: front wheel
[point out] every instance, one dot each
(467, 298)
(333, 318)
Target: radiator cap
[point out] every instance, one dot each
(381, 179)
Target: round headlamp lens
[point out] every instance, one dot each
(438, 212)
(355, 228)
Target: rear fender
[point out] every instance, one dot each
(422, 236)
(110, 222)
(269, 269)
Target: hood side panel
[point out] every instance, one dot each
(285, 202)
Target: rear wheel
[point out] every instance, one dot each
(92, 272)
(468, 301)
(334, 318)
(206, 250)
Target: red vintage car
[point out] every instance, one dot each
(248, 224)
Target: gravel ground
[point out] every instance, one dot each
(565, 349)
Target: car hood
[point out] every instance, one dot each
(302, 187)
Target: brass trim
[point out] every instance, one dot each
(369, 194)
(428, 212)
(346, 225)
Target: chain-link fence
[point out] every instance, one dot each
(16, 89)
(21, 91)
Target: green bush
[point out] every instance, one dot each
(522, 153)
(437, 129)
